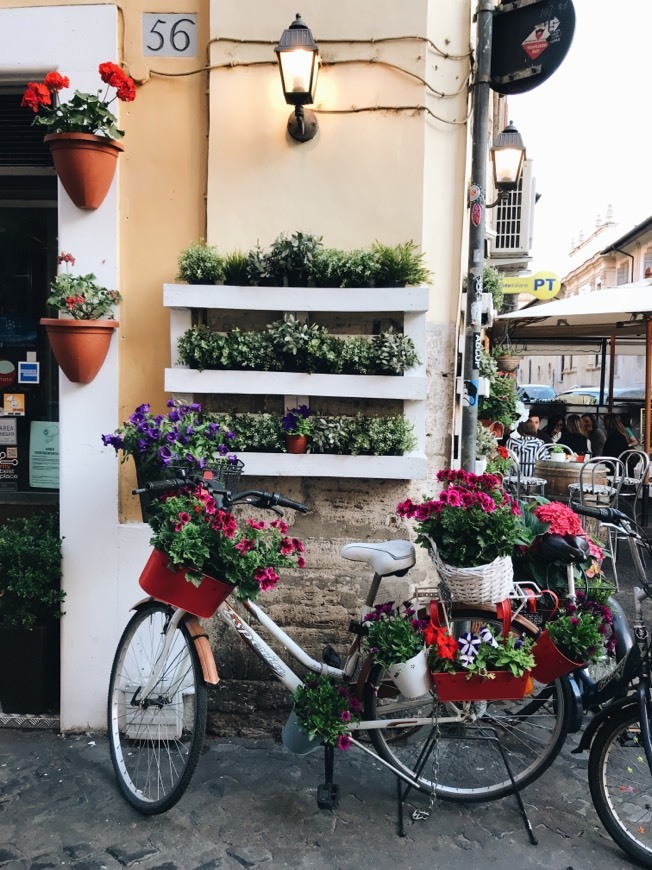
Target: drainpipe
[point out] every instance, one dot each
(477, 214)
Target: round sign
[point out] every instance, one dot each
(529, 43)
(7, 373)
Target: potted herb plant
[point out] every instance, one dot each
(80, 340)
(30, 608)
(556, 453)
(81, 133)
(479, 666)
(572, 639)
(201, 264)
(395, 641)
(199, 549)
(323, 710)
(298, 428)
(471, 529)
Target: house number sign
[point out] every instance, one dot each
(170, 34)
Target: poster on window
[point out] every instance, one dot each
(44, 454)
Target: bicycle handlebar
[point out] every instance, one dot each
(255, 497)
(604, 514)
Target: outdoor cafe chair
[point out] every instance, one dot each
(637, 464)
(520, 481)
(599, 485)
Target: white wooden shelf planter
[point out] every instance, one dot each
(412, 387)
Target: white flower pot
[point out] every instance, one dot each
(296, 739)
(557, 457)
(484, 386)
(480, 466)
(412, 678)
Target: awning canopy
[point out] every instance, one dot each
(619, 311)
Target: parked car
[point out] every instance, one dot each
(536, 393)
(591, 395)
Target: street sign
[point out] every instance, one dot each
(543, 285)
(529, 42)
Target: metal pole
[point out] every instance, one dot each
(477, 212)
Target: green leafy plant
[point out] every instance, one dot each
(236, 269)
(289, 261)
(201, 538)
(556, 448)
(393, 353)
(502, 404)
(399, 265)
(325, 709)
(201, 264)
(472, 522)
(478, 654)
(579, 633)
(493, 282)
(488, 365)
(394, 633)
(30, 571)
(358, 268)
(84, 113)
(486, 442)
(81, 296)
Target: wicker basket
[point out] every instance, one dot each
(482, 584)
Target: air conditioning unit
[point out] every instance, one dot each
(512, 220)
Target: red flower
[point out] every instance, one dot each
(267, 578)
(56, 82)
(127, 91)
(245, 545)
(35, 96)
(112, 74)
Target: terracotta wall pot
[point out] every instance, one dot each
(172, 587)
(550, 661)
(85, 165)
(79, 346)
(296, 443)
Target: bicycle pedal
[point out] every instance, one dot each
(328, 796)
(331, 657)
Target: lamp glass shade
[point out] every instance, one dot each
(299, 70)
(298, 60)
(508, 154)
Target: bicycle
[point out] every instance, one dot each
(620, 735)
(157, 707)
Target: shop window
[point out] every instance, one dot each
(28, 251)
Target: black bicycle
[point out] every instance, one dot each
(619, 736)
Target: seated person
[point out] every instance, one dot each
(574, 435)
(596, 436)
(617, 439)
(551, 432)
(526, 447)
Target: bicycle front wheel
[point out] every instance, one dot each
(462, 760)
(621, 784)
(155, 741)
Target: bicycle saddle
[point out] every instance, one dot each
(564, 548)
(385, 557)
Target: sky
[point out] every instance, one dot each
(588, 129)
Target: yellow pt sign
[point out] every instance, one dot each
(543, 285)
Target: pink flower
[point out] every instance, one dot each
(343, 742)
(301, 562)
(255, 524)
(267, 578)
(245, 545)
(280, 525)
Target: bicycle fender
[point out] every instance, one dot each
(600, 718)
(204, 651)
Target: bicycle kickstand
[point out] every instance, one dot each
(328, 794)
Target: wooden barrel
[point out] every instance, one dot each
(558, 477)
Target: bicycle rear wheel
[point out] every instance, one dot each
(155, 741)
(621, 784)
(462, 764)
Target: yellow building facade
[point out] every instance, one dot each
(207, 156)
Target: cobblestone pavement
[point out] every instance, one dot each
(253, 804)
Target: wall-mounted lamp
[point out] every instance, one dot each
(508, 156)
(298, 60)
